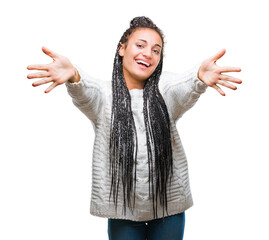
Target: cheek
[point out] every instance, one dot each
(129, 58)
(126, 59)
(157, 63)
(158, 60)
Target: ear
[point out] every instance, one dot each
(122, 50)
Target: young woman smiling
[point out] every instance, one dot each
(140, 176)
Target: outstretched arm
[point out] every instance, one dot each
(211, 74)
(86, 92)
(181, 91)
(58, 72)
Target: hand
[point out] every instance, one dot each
(58, 72)
(211, 74)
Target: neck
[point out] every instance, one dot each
(133, 83)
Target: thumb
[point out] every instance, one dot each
(218, 55)
(49, 52)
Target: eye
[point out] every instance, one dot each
(156, 51)
(139, 45)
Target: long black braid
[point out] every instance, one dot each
(123, 136)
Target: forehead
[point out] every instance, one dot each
(150, 35)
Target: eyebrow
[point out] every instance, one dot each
(154, 45)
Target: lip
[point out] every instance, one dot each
(144, 61)
(141, 66)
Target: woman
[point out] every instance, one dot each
(140, 170)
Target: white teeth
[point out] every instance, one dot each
(140, 61)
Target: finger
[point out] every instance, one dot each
(38, 75)
(226, 84)
(51, 87)
(42, 81)
(38, 67)
(49, 52)
(230, 69)
(219, 90)
(218, 55)
(230, 78)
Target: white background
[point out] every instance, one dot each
(46, 142)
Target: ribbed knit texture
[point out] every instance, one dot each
(94, 98)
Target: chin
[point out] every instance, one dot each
(143, 76)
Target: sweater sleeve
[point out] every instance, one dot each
(181, 91)
(87, 95)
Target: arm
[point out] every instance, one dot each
(86, 92)
(181, 91)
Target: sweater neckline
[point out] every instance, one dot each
(138, 89)
(136, 92)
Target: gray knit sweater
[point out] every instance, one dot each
(94, 98)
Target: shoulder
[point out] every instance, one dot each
(168, 78)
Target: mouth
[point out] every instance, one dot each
(142, 64)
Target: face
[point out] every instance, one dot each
(141, 56)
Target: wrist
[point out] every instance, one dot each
(199, 74)
(75, 77)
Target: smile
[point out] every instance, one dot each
(143, 64)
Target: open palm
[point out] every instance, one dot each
(57, 72)
(211, 74)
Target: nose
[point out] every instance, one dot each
(147, 52)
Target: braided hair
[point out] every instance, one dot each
(123, 135)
